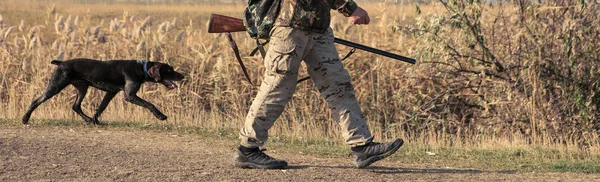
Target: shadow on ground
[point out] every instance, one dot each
(399, 170)
(394, 170)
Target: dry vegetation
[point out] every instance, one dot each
(520, 69)
(495, 76)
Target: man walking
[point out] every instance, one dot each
(300, 32)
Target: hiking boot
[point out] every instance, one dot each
(256, 158)
(367, 154)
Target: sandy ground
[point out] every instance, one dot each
(60, 153)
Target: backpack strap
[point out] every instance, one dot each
(260, 47)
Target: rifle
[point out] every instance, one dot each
(225, 24)
(221, 24)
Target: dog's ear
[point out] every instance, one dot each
(154, 71)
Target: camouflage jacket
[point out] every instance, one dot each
(308, 15)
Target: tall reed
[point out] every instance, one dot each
(494, 76)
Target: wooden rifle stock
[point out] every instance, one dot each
(224, 24)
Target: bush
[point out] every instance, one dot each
(511, 67)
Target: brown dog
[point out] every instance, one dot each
(110, 76)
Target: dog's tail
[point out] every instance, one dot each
(56, 62)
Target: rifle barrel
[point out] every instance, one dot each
(373, 50)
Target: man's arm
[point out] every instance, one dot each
(350, 9)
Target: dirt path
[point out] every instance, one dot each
(107, 154)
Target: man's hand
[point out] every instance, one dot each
(359, 17)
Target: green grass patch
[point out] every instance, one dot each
(590, 166)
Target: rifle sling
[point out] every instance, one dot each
(237, 55)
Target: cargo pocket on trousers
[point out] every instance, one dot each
(284, 46)
(282, 40)
(283, 62)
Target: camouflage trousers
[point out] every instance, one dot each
(289, 47)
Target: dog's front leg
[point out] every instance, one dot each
(107, 98)
(131, 89)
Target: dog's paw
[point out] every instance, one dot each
(161, 117)
(98, 123)
(89, 120)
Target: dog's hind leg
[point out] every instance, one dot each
(81, 92)
(107, 98)
(58, 82)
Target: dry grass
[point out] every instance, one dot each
(420, 102)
